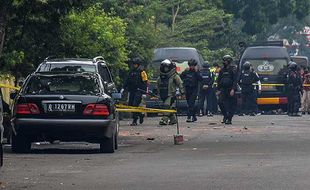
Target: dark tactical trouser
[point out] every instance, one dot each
(168, 118)
(294, 102)
(214, 102)
(191, 96)
(248, 102)
(227, 104)
(135, 98)
(206, 95)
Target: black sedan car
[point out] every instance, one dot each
(65, 107)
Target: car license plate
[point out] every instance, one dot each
(61, 107)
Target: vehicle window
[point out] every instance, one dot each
(104, 73)
(61, 84)
(175, 54)
(269, 66)
(68, 68)
(300, 61)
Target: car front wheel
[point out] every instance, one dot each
(108, 145)
(20, 143)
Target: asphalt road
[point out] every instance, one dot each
(263, 152)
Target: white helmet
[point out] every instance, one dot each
(166, 62)
(166, 66)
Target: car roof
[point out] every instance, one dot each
(178, 53)
(300, 57)
(80, 61)
(265, 52)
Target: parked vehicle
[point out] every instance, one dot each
(302, 61)
(96, 65)
(1, 133)
(65, 106)
(179, 55)
(270, 61)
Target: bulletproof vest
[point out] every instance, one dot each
(135, 79)
(164, 86)
(227, 78)
(206, 77)
(294, 80)
(190, 80)
(246, 78)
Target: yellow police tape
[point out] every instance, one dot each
(9, 86)
(124, 108)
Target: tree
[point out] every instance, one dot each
(92, 32)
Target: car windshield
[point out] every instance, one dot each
(68, 68)
(60, 84)
(268, 66)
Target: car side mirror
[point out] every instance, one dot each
(13, 95)
(117, 96)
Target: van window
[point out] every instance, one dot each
(268, 66)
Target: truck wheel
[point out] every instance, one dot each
(20, 143)
(108, 145)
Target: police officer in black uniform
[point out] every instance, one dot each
(294, 90)
(227, 85)
(248, 94)
(191, 78)
(206, 89)
(136, 85)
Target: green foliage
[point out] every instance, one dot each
(120, 30)
(92, 32)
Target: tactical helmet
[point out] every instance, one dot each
(192, 62)
(166, 66)
(206, 65)
(136, 60)
(227, 58)
(292, 65)
(246, 65)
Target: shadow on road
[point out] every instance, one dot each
(60, 150)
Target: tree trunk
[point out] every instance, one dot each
(175, 11)
(3, 22)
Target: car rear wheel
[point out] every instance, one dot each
(116, 141)
(108, 145)
(1, 154)
(20, 143)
